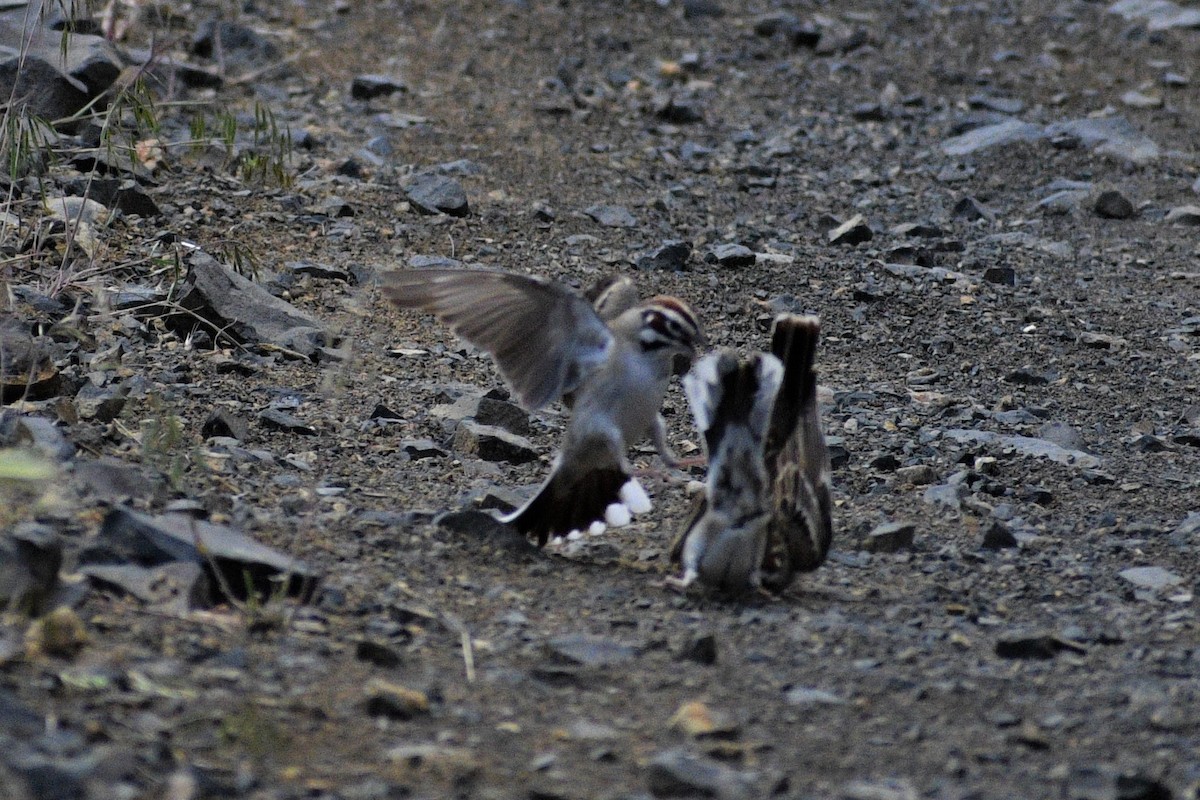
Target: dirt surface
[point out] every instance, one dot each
(945, 669)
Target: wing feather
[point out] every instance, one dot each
(544, 339)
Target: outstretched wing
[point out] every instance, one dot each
(544, 338)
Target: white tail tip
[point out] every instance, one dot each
(635, 497)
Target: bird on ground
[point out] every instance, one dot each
(729, 552)
(610, 363)
(731, 401)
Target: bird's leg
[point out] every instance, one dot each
(659, 437)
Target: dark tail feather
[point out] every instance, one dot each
(563, 505)
(794, 342)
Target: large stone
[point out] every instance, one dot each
(237, 307)
(233, 561)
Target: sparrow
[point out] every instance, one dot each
(790, 529)
(610, 364)
(731, 401)
(797, 457)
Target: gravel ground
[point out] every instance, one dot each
(1009, 366)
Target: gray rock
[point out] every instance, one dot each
(30, 556)
(1184, 215)
(433, 194)
(1040, 648)
(1002, 105)
(220, 422)
(1158, 15)
(998, 536)
(27, 368)
(853, 231)
(680, 109)
(244, 565)
(1001, 133)
(421, 261)
(236, 306)
(671, 256)
(611, 216)
(233, 42)
(730, 255)
(180, 586)
(486, 411)
(491, 443)
(54, 74)
(1063, 435)
(1026, 446)
(678, 773)
(1154, 578)
(890, 537)
(917, 474)
(123, 194)
(273, 419)
(969, 208)
(1188, 531)
(1001, 276)
(37, 433)
(486, 531)
(591, 651)
(368, 87)
(101, 403)
(420, 449)
(808, 696)
(947, 495)
(1114, 136)
(1136, 99)
(1112, 204)
(1064, 202)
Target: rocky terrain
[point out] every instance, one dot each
(243, 553)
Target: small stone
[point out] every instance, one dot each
(388, 699)
(1063, 435)
(483, 527)
(1028, 376)
(853, 231)
(1039, 648)
(590, 651)
(921, 230)
(1112, 204)
(368, 87)
(998, 536)
(730, 255)
(492, 443)
(101, 403)
(670, 256)
(1136, 99)
(699, 721)
(611, 216)
(1002, 105)
(1002, 276)
(30, 557)
(377, 653)
(433, 193)
(1184, 215)
(224, 423)
(419, 449)
(680, 109)
(890, 537)
(60, 633)
(275, 420)
(808, 696)
(702, 649)
(948, 495)
(917, 474)
(678, 773)
(1001, 133)
(970, 209)
(1154, 578)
